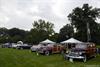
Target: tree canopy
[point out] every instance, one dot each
(66, 32)
(79, 19)
(43, 25)
(41, 30)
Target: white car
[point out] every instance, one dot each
(36, 47)
(7, 45)
(14, 45)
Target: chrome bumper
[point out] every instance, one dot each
(75, 57)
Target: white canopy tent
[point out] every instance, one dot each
(47, 41)
(72, 40)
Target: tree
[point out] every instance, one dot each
(41, 31)
(4, 35)
(96, 37)
(17, 34)
(43, 25)
(54, 37)
(16, 31)
(12, 35)
(36, 36)
(79, 19)
(66, 32)
(3, 31)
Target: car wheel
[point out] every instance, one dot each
(47, 53)
(84, 59)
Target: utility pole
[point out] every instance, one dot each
(88, 32)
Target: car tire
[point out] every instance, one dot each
(47, 53)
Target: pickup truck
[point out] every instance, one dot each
(81, 51)
(50, 49)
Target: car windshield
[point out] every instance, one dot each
(73, 54)
(51, 45)
(77, 50)
(82, 46)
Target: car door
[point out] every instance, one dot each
(54, 48)
(59, 48)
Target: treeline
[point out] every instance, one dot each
(41, 30)
(83, 27)
(36, 35)
(12, 35)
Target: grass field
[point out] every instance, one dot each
(24, 58)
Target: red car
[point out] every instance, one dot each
(50, 49)
(82, 51)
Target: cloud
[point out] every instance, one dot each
(3, 18)
(22, 13)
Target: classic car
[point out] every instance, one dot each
(21, 45)
(24, 46)
(36, 47)
(7, 45)
(50, 49)
(81, 51)
(14, 45)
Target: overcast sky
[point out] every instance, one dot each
(22, 13)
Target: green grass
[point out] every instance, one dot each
(24, 58)
(98, 46)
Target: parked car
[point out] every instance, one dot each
(50, 49)
(36, 47)
(7, 45)
(81, 51)
(21, 45)
(14, 45)
(24, 46)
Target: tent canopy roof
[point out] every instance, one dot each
(47, 41)
(72, 40)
